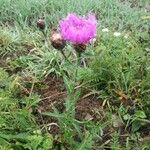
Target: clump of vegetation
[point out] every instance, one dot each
(82, 90)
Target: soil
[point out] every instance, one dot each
(53, 94)
(3, 63)
(89, 108)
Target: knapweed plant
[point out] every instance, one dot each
(67, 83)
(77, 30)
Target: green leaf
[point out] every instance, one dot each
(3, 143)
(69, 85)
(35, 141)
(136, 125)
(140, 114)
(126, 117)
(53, 115)
(48, 142)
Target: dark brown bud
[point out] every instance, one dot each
(57, 41)
(41, 24)
(80, 48)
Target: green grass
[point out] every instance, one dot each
(117, 73)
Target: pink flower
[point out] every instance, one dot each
(78, 30)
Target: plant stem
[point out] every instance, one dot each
(43, 31)
(78, 58)
(77, 64)
(65, 57)
(62, 52)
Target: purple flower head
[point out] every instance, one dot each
(78, 30)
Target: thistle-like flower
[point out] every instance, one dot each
(57, 40)
(41, 24)
(79, 47)
(78, 30)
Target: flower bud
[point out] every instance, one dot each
(41, 24)
(57, 40)
(79, 47)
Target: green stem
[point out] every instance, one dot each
(44, 33)
(77, 65)
(78, 58)
(62, 52)
(65, 57)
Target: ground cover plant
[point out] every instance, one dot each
(74, 75)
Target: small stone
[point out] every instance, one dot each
(88, 117)
(116, 121)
